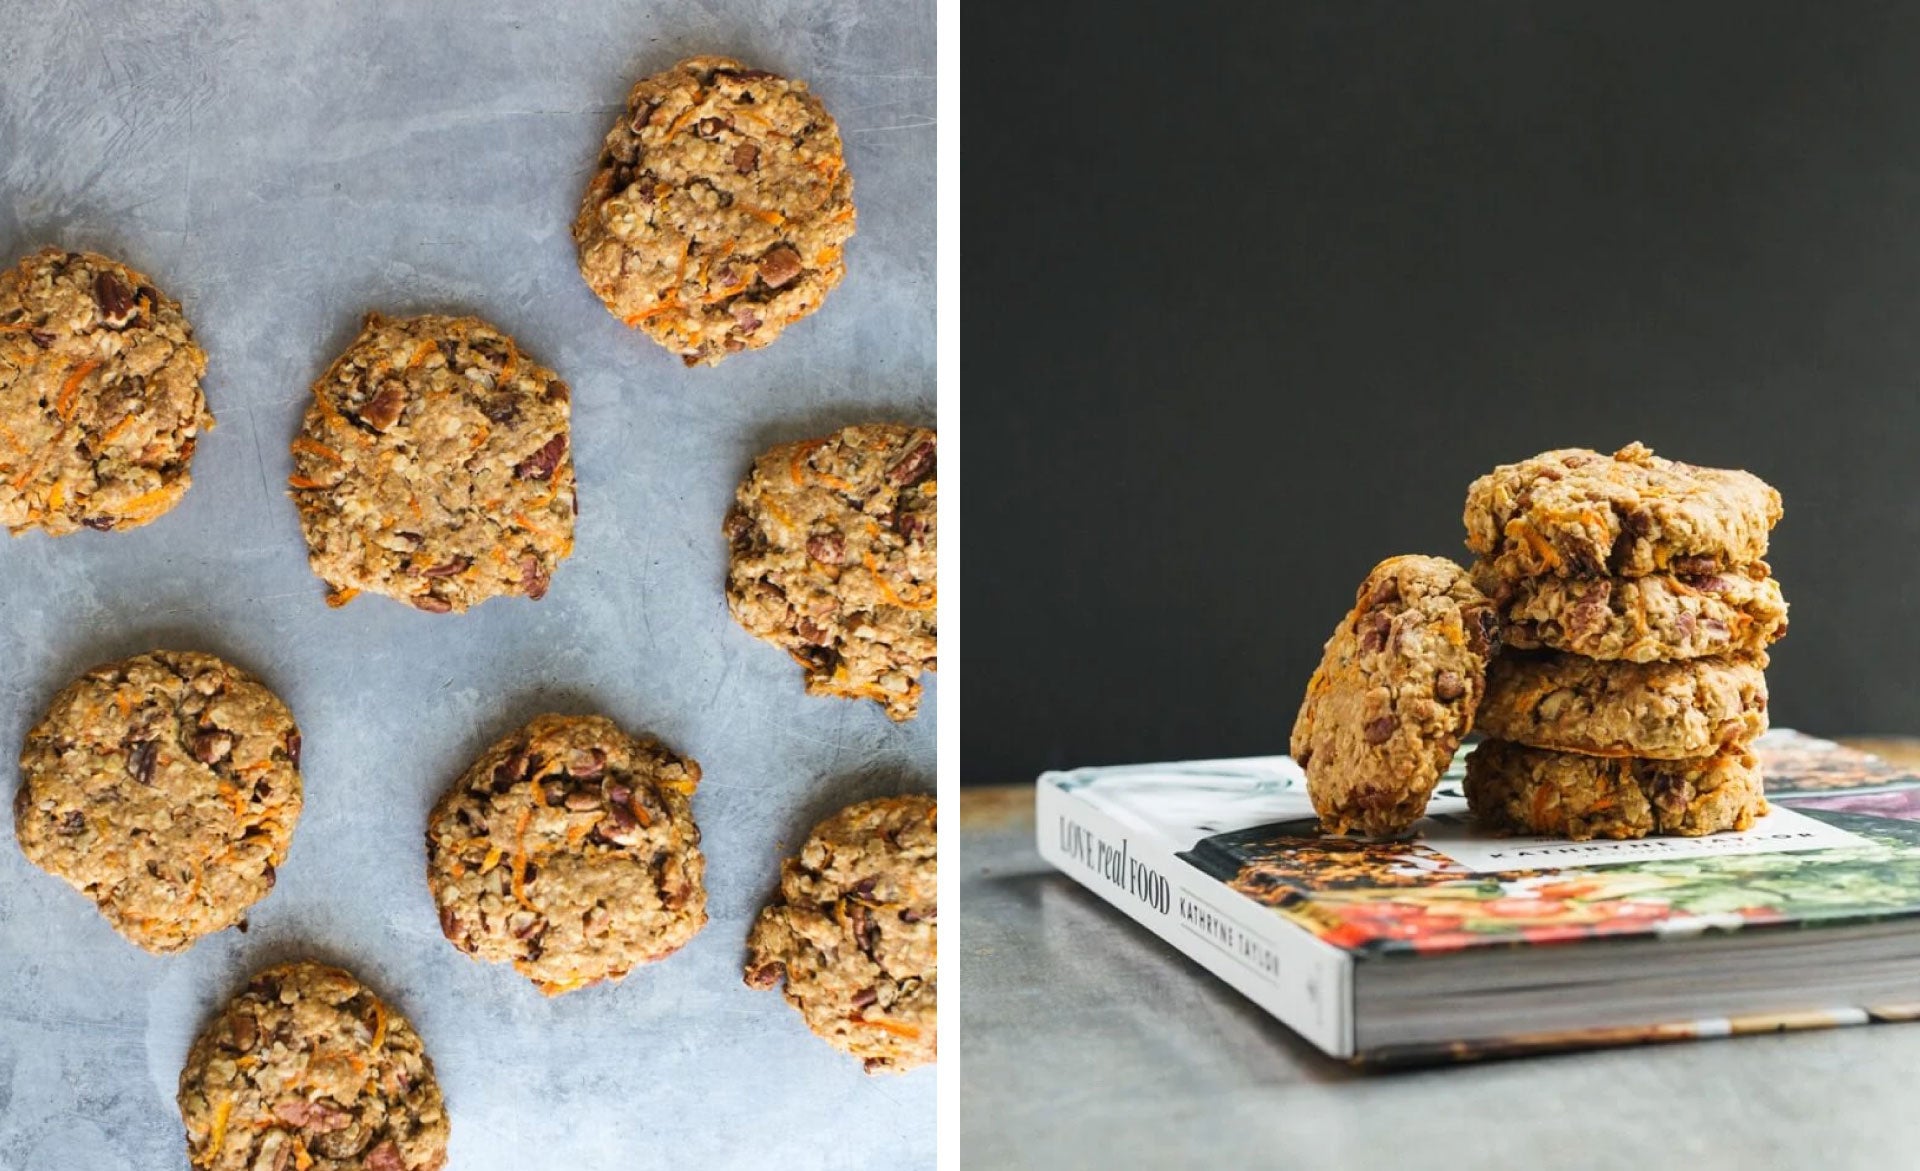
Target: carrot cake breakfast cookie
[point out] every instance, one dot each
(100, 400)
(165, 788)
(308, 1070)
(833, 560)
(1578, 513)
(435, 467)
(1396, 690)
(852, 933)
(569, 850)
(719, 211)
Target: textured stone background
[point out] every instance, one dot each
(281, 169)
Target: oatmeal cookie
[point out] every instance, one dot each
(852, 933)
(308, 1069)
(435, 467)
(1663, 616)
(1666, 711)
(833, 551)
(1577, 513)
(1395, 691)
(165, 788)
(569, 850)
(100, 400)
(1558, 794)
(720, 209)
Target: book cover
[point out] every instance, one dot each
(1236, 841)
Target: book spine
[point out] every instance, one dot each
(1304, 982)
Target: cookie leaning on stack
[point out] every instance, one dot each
(1635, 595)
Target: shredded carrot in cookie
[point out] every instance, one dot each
(305, 482)
(653, 311)
(341, 597)
(421, 353)
(317, 448)
(520, 859)
(147, 503)
(887, 1026)
(114, 432)
(379, 1025)
(70, 390)
(217, 1137)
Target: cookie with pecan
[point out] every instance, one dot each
(1578, 513)
(165, 788)
(100, 399)
(308, 1068)
(852, 933)
(1561, 794)
(833, 560)
(569, 850)
(435, 467)
(1660, 710)
(720, 209)
(1662, 616)
(1396, 690)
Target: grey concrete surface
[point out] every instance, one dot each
(281, 169)
(1088, 1043)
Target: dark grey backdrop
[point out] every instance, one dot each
(1250, 299)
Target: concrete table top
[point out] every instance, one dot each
(1089, 1043)
(281, 169)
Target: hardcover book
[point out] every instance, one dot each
(1456, 943)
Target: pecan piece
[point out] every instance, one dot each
(541, 464)
(383, 409)
(115, 300)
(827, 548)
(140, 761)
(451, 568)
(746, 158)
(915, 466)
(779, 266)
(212, 744)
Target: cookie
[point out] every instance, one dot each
(569, 850)
(719, 211)
(1396, 689)
(1577, 513)
(1666, 711)
(1564, 795)
(307, 1068)
(833, 551)
(852, 933)
(1663, 616)
(165, 788)
(435, 467)
(100, 400)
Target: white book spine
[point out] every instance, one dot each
(1304, 982)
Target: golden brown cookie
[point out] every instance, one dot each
(1577, 513)
(1559, 794)
(834, 550)
(100, 400)
(720, 209)
(1396, 689)
(569, 850)
(165, 788)
(853, 935)
(1666, 711)
(1662, 616)
(308, 1069)
(435, 466)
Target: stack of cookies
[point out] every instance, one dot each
(1636, 609)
